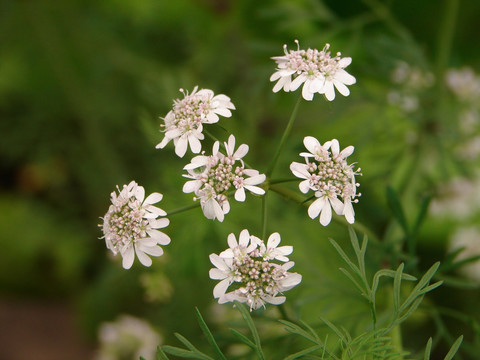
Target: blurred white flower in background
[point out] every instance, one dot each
(184, 123)
(464, 83)
(130, 225)
(318, 71)
(467, 238)
(127, 338)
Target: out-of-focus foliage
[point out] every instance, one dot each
(83, 84)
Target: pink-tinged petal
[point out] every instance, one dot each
(173, 133)
(160, 237)
(181, 146)
(223, 111)
(216, 146)
(345, 77)
(306, 155)
(315, 208)
(219, 213)
(251, 172)
(306, 93)
(337, 205)
(348, 212)
(217, 274)
(304, 186)
(244, 238)
(221, 288)
(146, 242)
(225, 207)
(230, 146)
(153, 198)
(347, 152)
(284, 250)
(326, 214)
(195, 144)
(273, 240)
(299, 80)
(287, 266)
(255, 189)
(342, 89)
(311, 144)
(128, 257)
(240, 194)
(232, 241)
(144, 259)
(241, 151)
(159, 223)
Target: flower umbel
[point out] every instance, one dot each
(249, 264)
(327, 173)
(130, 225)
(214, 177)
(184, 123)
(318, 71)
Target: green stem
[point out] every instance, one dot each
(284, 137)
(444, 44)
(264, 215)
(183, 209)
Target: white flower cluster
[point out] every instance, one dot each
(184, 124)
(131, 226)
(318, 71)
(327, 173)
(249, 264)
(127, 337)
(214, 176)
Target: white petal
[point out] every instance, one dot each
(221, 288)
(218, 262)
(128, 257)
(181, 146)
(335, 147)
(345, 77)
(159, 223)
(217, 274)
(306, 93)
(348, 212)
(241, 151)
(275, 300)
(152, 250)
(223, 111)
(273, 240)
(160, 237)
(291, 280)
(244, 238)
(232, 241)
(342, 89)
(347, 152)
(153, 198)
(304, 186)
(315, 208)
(140, 193)
(255, 180)
(311, 144)
(195, 144)
(255, 189)
(240, 194)
(299, 80)
(329, 90)
(326, 214)
(191, 186)
(144, 259)
(344, 62)
(337, 205)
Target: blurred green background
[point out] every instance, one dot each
(83, 85)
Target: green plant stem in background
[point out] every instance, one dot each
(445, 37)
(183, 209)
(264, 215)
(284, 137)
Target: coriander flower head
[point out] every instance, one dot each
(249, 266)
(214, 177)
(328, 175)
(184, 123)
(318, 71)
(130, 225)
